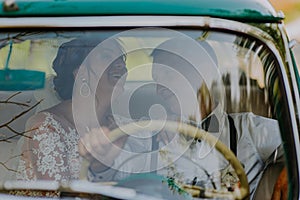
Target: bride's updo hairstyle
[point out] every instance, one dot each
(70, 56)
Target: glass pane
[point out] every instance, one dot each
(148, 80)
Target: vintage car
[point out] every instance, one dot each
(149, 99)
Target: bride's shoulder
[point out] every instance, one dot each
(40, 116)
(43, 118)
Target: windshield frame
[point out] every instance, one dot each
(285, 64)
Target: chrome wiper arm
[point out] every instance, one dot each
(79, 186)
(30, 185)
(101, 189)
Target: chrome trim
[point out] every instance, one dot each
(131, 21)
(295, 88)
(286, 84)
(280, 14)
(102, 21)
(292, 43)
(288, 89)
(127, 21)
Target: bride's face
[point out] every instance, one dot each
(107, 70)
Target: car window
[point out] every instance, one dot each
(187, 75)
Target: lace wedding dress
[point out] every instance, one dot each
(50, 150)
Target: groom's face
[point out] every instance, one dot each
(174, 79)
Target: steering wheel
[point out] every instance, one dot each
(199, 134)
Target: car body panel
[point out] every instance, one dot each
(229, 9)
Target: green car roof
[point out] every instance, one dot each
(240, 10)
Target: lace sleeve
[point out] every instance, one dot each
(50, 152)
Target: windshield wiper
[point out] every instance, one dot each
(79, 186)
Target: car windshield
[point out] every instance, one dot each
(154, 88)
